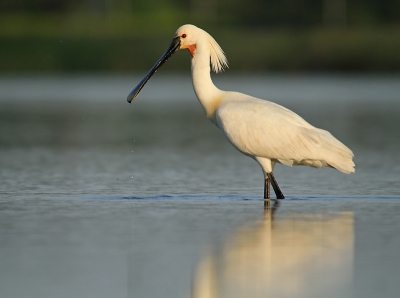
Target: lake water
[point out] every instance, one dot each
(99, 198)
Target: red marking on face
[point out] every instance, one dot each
(191, 49)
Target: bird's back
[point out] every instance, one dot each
(260, 128)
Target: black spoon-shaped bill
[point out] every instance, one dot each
(173, 47)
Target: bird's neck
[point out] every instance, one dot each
(208, 94)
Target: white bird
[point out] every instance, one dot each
(262, 130)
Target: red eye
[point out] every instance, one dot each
(183, 35)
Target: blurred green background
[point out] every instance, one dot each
(130, 35)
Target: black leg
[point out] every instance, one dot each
(266, 188)
(266, 194)
(278, 192)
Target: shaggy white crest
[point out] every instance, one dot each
(218, 58)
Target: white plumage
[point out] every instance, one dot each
(262, 129)
(265, 131)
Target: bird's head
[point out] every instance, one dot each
(186, 37)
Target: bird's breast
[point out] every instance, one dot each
(211, 107)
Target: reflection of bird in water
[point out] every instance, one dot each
(262, 130)
(301, 256)
(267, 205)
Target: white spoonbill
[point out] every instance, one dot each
(262, 130)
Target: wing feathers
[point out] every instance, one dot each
(264, 129)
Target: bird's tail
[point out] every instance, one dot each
(340, 156)
(346, 167)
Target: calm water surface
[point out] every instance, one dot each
(99, 198)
